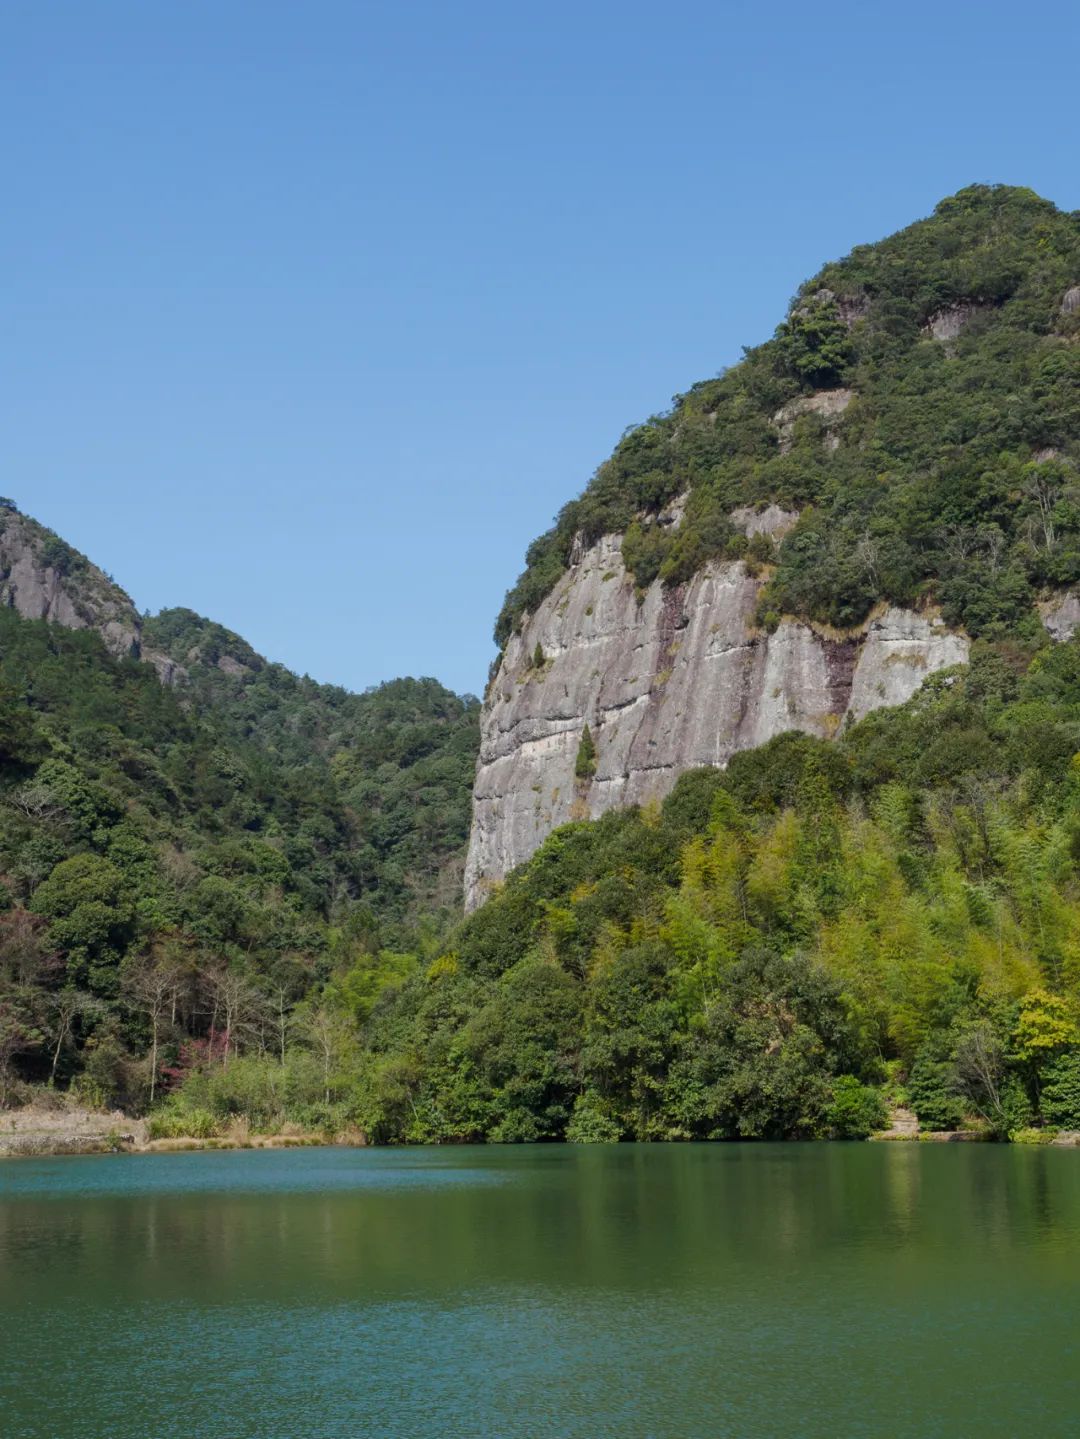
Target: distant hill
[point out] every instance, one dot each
(207, 810)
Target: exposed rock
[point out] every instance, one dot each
(850, 308)
(903, 1124)
(671, 516)
(899, 650)
(1071, 303)
(945, 324)
(1061, 615)
(853, 308)
(771, 521)
(681, 679)
(168, 671)
(828, 404)
(44, 579)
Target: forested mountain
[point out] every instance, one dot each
(919, 407)
(216, 847)
(780, 945)
(893, 474)
(235, 894)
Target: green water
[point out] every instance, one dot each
(832, 1290)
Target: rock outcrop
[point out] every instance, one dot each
(1061, 614)
(677, 679)
(45, 579)
(946, 324)
(827, 405)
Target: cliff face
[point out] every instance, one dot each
(681, 679)
(42, 578)
(917, 406)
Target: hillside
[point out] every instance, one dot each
(780, 944)
(899, 402)
(808, 535)
(205, 835)
(805, 646)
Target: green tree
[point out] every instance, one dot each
(585, 763)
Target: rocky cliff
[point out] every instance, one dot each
(42, 578)
(807, 535)
(673, 679)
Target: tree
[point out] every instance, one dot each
(155, 986)
(17, 1035)
(64, 1007)
(329, 1036)
(585, 764)
(86, 900)
(238, 1006)
(1061, 1091)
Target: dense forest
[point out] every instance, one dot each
(237, 896)
(193, 863)
(780, 949)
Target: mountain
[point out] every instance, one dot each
(231, 897)
(806, 537)
(43, 578)
(206, 818)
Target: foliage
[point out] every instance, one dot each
(745, 959)
(585, 762)
(1061, 1091)
(856, 1110)
(196, 864)
(955, 476)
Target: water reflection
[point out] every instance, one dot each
(630, 1277)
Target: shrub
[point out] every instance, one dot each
(1060, 1100)
(177, 1121)
(585, 764)
(857, 1110)
(591, 1123)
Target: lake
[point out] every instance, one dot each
(684, 1290)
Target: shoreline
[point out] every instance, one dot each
(31, 1145)
(39, 1131)
(35, 1145)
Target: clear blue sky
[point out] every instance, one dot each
(314, 313)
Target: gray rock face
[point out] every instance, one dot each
(945, 325)
(828, 405)
(1061, 615)
(1071, 303)
(679, 680)
(44, 579)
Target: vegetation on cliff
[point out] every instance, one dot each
(950, 473)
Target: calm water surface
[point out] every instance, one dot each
(744, 1290)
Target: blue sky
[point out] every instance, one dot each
(315, 313)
